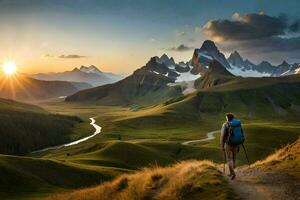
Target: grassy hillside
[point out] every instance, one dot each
(30, 178)
(123, 155)
(249, 97)
(20, 87)
(201, 180)
(25, 128)
(286, 160)
(215, 75)
(186, 180)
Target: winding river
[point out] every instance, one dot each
(210, 136)
(97, 131)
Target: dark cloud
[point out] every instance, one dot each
(258, 36)
(295, 27)
(70, 56)
(246, 27)
(181, 48)
(274, 49)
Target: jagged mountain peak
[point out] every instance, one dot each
(76, 69)
(209, 46)
(284, 63)
(90, 69)
(236, 60)
(169, 61)
(164, 56)
(265, 63)
(235, 54)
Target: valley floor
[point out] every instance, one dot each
(133, 139)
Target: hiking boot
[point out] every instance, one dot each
(233, 176)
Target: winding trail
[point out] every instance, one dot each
(97, 131)
(210, 136)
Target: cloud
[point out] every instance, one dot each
(274, 49)
(181, 48)
(246, 27)
(180, 34)
(70, 56)
(257, 35)
(295, 27)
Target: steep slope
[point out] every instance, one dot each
(24, 88)
(146, 85)
(276, 177)
(24, 128)
(203, 56)
(186, 180)
(215, 75)
(91, 75)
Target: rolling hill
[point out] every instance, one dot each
(31, 178)
(275, 177)
(25, 128)
(24, 88)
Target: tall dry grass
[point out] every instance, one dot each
(180, 181)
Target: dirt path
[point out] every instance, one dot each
(262, 185)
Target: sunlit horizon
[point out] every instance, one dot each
(56, 36)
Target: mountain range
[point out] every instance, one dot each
(160, 80)
(237, 65)
(244, 67)
(91, 75)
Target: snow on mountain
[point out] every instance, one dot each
(237, 71)
(181, 73)
(91, 75)
(187, 76)
(90, 69)
(208, 52)
(245, 68)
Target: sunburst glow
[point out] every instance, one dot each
(9, 68)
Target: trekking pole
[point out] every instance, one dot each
(246, 154)
(225, 161)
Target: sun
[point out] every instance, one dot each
(9, 68)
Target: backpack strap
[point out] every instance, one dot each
(229, 132)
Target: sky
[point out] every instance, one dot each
(121, 35)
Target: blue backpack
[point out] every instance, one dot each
(235, 132)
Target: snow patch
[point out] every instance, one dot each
(204, 55)
(187, 76)
(247, 73)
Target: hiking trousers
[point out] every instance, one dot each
(231, 152)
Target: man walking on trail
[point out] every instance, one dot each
(231, 137)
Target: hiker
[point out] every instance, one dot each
(231, 137)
